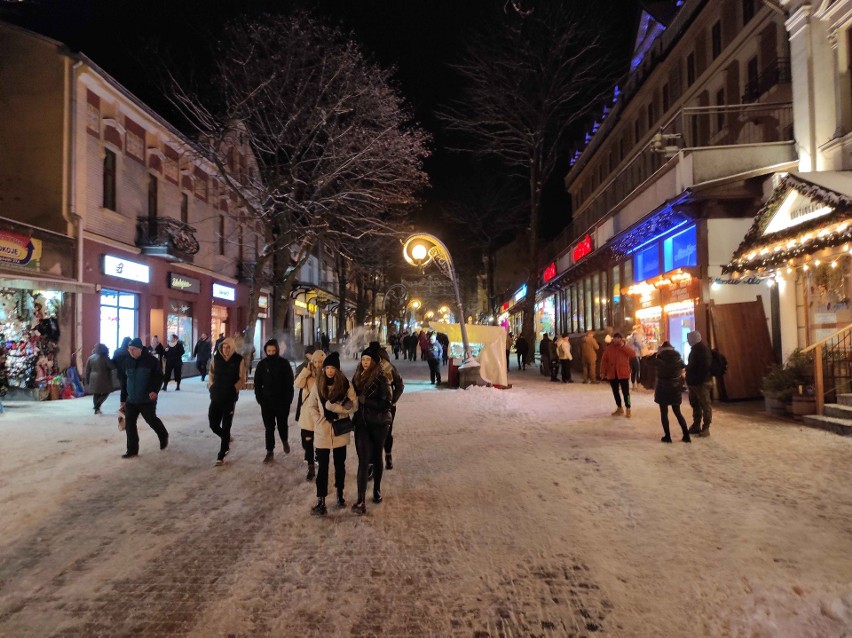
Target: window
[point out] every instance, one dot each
(690, 69)
(752, 92)
(152, 196)
(109, 180)
(637, 130)
(221, 234)
(748, 11)
(720, 114)
(184, 208)
(118, 314)
(621, 149)
(666, 97)
(651, 116)
(716, 40)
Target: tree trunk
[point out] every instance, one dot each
(528, 329)
(341, 308)
(361, 304)
(254, 295)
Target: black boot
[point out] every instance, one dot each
(668, 437)
(695, 429)
(388, 461)
(360, 507)
(341, 502)
(311, 472)
(319, 509)
(377, 496)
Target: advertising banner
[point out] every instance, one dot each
(19, 249)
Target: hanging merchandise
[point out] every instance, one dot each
(29, 331)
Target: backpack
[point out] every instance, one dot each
(718, 363)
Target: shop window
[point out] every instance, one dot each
(588, 304)
(615, 287)
(646, 263)
(109, 179)
(597, 301)
(179, 322)
(119, 317)
(681, 250)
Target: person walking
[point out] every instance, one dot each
(394, 344)
(119, 359)
(227, 377)
(444, 340)
(544, 354)
(332, 398)
(636, 340)
(522, 349)
(372, 421)
(423, 340)
(141, 383)
(509, 343)
(589, 349)
(218, 342)
(174, 362)
(397, 388)
(305, 380)
(273, 390)
(669, 389)
(99, 376)
(699, 381)
(434, 353)
(411, 342)
(202, 352)
(563, 351)
(615, 368)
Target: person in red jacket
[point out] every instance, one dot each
(615, 368)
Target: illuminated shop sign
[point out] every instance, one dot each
(646, 263)
(505, 306)
(549, 272)
(224, 292)
(19, 249)
(520, 294)
(184, 283)
(583, 248)
(310, 307)
(125, 269)
(262, 306)
(681, 250)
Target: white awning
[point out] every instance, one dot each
(45, 283)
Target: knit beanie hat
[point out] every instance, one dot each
(332, 360)
(136, 343)
(693, 337)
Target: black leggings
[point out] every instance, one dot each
(308, 446)
(664, 419)
(624, 384)
(323, 455)
(369, 440)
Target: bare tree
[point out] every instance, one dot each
(333, 156)
(529, 83)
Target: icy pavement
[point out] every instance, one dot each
(527, 512)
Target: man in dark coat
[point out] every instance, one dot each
(522, 349)
(139, 387)
(700, 383)
(273, 389)
(544, 353)
(202, 352)
(174, 362)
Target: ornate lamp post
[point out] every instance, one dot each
(398, 293)
(422, 249)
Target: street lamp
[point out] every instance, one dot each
(420, 250)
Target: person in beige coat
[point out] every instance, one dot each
(332, 398)
(305, 381)
(589, 347)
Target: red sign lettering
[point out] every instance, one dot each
(583, 248)
(549, 272)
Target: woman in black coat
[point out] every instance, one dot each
(372, 421)
(669, 389)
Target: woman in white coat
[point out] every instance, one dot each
(332, 398)
(305, 381)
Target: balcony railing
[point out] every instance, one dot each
(690, 129)
(776, 72)
(166, 237)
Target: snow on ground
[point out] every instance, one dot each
(524, 512)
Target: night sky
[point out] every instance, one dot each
(420, 38)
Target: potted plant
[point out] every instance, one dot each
(778, 387)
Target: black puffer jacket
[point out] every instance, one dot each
(669, 388)
(698, 366)
(375, 401)
(273, 379)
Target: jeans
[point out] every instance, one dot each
(565, 365)
(634, 369)
(323, 455)
(221, 416)
(664, 419)
(624, 384)
(699, 399)
(270, 413)
(308, 446)
(131, 416)
(369, 439)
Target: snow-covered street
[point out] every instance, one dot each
(525, 512)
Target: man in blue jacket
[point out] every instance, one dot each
(142, 379)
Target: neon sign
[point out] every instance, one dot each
(583, 248)
(549, 272)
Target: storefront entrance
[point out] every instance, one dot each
(119, 317)
(218, 322)
(179, 322)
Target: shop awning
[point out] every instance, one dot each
(807, 213)
(45, 283)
